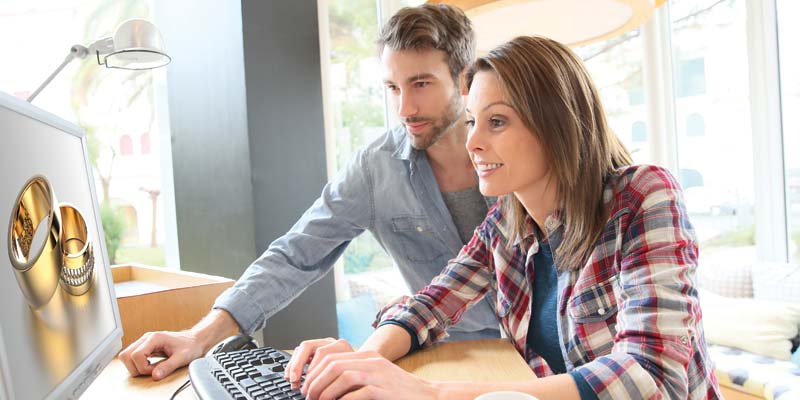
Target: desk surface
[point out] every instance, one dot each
(475, 360)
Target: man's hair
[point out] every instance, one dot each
(432, 27)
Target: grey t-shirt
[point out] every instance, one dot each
(468, 209)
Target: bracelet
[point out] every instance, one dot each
(37, 270)
(77, 255)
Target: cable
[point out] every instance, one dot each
(181, 388)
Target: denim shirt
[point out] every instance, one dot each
(389, 189)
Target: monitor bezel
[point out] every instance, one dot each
(89, 368)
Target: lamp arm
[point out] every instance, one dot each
(77, 51)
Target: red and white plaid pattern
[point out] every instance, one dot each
(629, 319)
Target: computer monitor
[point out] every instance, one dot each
(59, 322)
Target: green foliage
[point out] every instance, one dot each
(114, 228)
(360, 254)
(742, 236)
(353, 30)
(796, 238)
(153, 256)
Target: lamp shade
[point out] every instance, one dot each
(572, 22)
(137, 45)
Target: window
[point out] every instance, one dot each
(145, 143)
(616, 67)
(695, 125)
(712, 84)
(366, 277)
(125, 145)
(638, 132)
(113, 107)
(788, 35)
(691, 75)
(707, 140)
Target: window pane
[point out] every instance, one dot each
(789, 40)
(715, 158)
(616, 67)
(357, 103)
(115, 107)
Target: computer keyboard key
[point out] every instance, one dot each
(239, 375)
(247, 383)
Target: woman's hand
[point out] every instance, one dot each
(311, 352)
(363, 375)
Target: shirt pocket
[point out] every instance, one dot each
(593, 313)
(595, 303)
(417, 238)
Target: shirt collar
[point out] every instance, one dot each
(551, 224)
(404, 150)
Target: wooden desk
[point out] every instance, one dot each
(476, 360)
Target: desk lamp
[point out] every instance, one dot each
(136, 44)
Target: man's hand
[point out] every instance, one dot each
(311, 352)
(180, 348)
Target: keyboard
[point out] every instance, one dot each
(255, 374)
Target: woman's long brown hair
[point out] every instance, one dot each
(551, 90)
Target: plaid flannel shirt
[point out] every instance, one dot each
(629, 320)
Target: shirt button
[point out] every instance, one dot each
(684, 339)
(419, 229)
(601, 311)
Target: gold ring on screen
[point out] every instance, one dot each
(77, 255)
(36, 269)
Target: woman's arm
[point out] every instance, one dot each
(463, 282)
(658, 317)
(353, 376)
(390, 341)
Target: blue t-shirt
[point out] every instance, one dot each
(543, 336)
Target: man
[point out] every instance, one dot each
(414, 189)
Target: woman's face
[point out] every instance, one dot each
(506, 155)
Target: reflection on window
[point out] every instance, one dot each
(145, 141)
(690, 178)
(639, 132)
(125, 145)
(691, 77)
(695, 125)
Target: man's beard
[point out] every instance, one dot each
(438, 127)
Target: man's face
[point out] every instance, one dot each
(422, 91)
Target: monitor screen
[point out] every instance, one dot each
(59, 323)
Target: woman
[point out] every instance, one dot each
(592, 260)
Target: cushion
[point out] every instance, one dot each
(761, 327)
(758, 375)
(729, 280)
(778, 282)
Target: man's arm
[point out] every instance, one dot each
(291, 264)
(307, 252)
